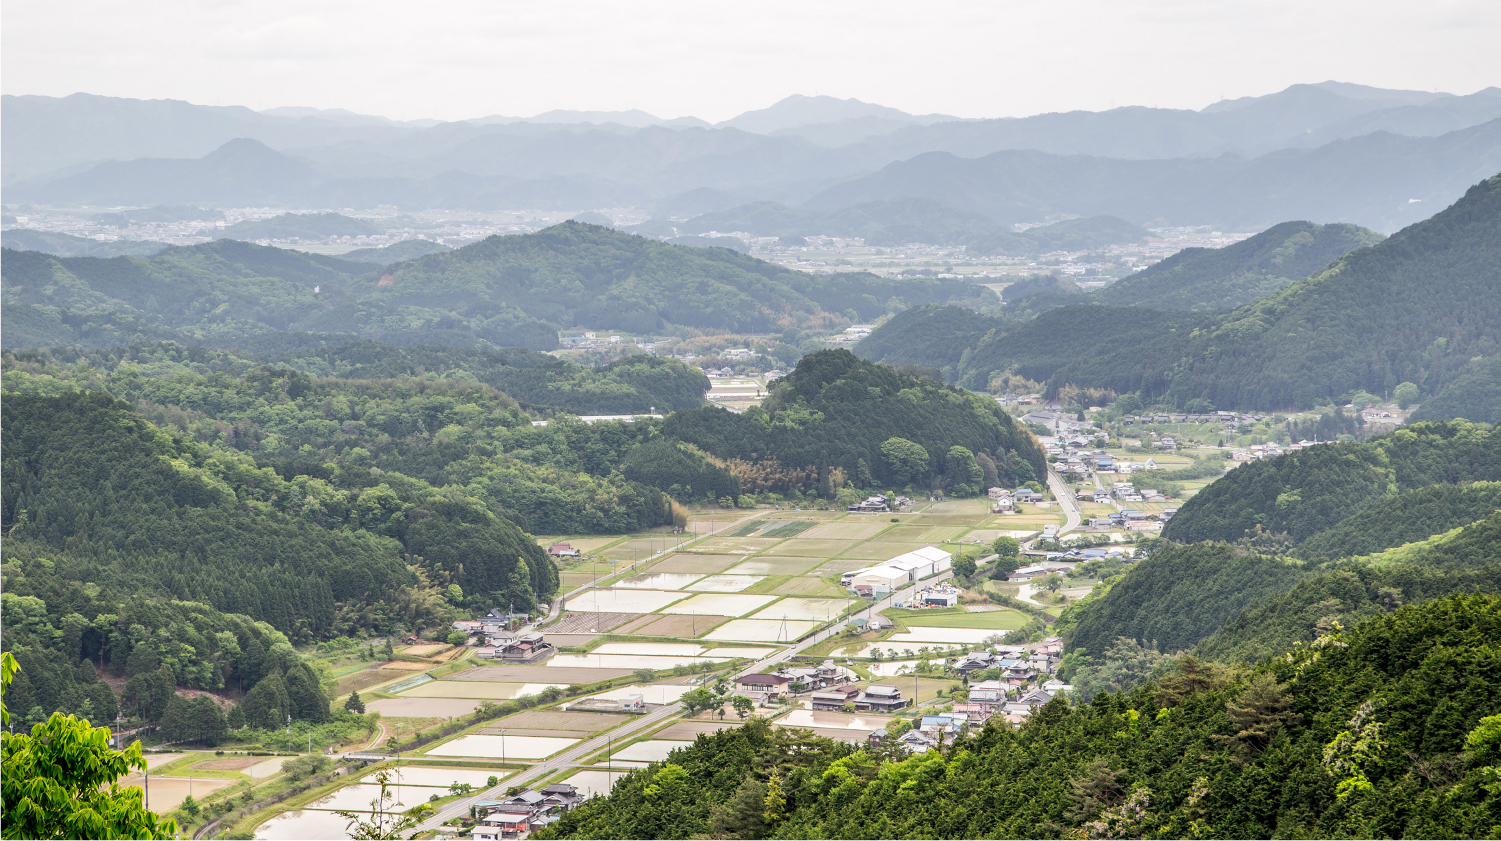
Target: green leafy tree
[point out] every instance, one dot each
(62, 780)
(458, 638)
(743, 706)
(354, 704)
(1405, 394)
(905, 460)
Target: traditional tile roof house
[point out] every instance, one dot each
(835, 698)
(880, 698)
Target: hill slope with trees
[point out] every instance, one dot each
(1415, 307)
(1223, 278)
(1473, 394)
(512, 291)
(1310, 491)
(579, 274)
(838, 412)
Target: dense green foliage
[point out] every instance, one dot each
(355, 435)
(62, 780)
(1465, 561)
(1414, 307)
(1177, 597)
(1320, 743)
(1474, 394)
(1312, 490)
(836, 411)
(934, 336)
(577, 274)
(1405, 518)
(635, 384)
(1222, 278)
(136, 506)
(1123, 349)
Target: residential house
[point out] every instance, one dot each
(1018, 676)
(562, 550)
(835, 698)
(769, 685)
(975, 661)
(1036, 698)
(874, 504)
(527, 648)
(988, 695)
(880, 698)
(917, 741)
(978, 713)
(935, 725)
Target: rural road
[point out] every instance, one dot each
(1066, 499)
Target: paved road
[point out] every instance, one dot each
(1065, 498)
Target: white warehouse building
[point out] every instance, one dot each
(903, 570)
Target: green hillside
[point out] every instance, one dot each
(1415, 307)
(577, 274)
(1321, 743)
(1466, 560)
(1411, 308)
(635, 384)
(1177, 597)
(1474, 393)
(1120, 348)
(510, 291)
(1313, 490)
(1223, 278)
(1405, 518)
(836, 411)
(934, 336)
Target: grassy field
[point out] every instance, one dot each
(1000, 620)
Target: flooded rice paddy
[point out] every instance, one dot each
(507, 747)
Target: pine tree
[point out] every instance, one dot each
(354, 704)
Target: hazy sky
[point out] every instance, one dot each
(453, 59)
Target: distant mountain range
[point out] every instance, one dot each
(1326, 152)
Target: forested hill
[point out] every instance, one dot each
(934, 336)
(1223, 278)
(1415, 307)
(1412, 308)
(1473, 394)
(635, 384)
(580, 274)
(1321, 743)
(1310, 491)
(513, 291)
(170, 516)
(837, 412)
